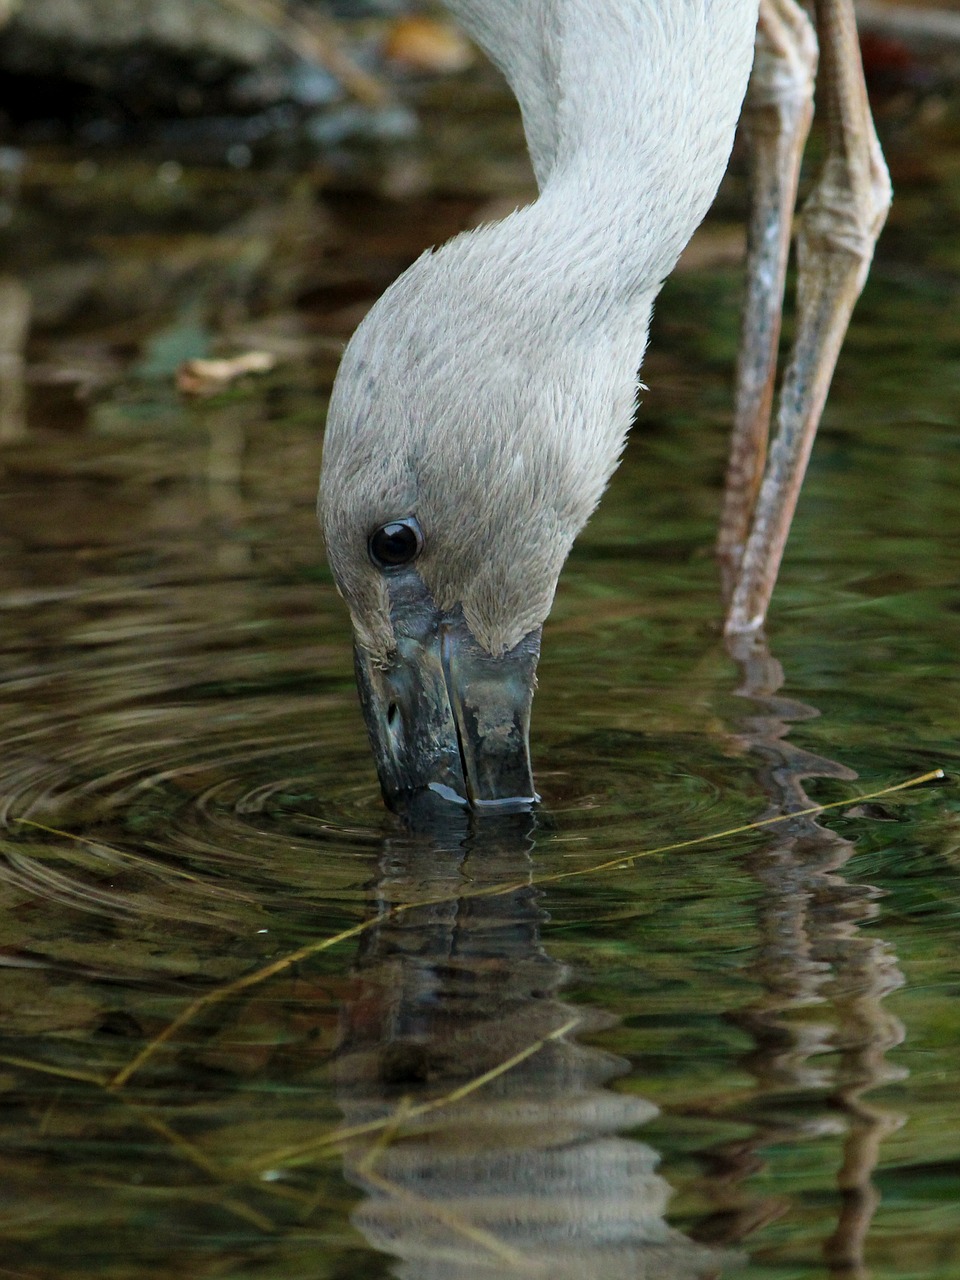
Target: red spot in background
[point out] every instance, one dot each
(887, 63)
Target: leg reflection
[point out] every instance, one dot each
(15, 307)
(528, 1174)
(823, 983)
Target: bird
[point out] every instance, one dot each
(483, 404)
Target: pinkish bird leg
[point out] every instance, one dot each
(838, 228)
(776, 120)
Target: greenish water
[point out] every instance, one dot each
(738, 1058)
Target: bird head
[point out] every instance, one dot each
(472, 428)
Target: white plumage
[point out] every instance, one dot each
(490, 389)
(483, 403)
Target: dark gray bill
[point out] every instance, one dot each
(445, 716)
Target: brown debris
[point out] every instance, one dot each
(427, 46)
(207, 377)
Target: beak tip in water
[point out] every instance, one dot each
(447, 718)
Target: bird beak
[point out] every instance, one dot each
(445, 716)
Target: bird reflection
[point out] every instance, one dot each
(529, 1174)
(532, 1172)
(823, 982)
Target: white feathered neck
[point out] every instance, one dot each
(491, 388)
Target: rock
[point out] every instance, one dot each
(179, 57)
(186, 27)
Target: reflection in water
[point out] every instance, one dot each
(167, 705)
(225, 465)
(14, 328)
(206, 858)
(160, 706)
(823, 985)
(177, 697)
(530, 1173)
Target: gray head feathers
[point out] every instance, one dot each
(469, 399)
(490, 389)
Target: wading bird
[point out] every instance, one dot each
(482, 405)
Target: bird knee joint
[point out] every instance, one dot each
(835, 220)
(785, 62)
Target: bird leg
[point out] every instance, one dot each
(776, 119)
(838, 228)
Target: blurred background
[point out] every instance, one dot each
(175, 172)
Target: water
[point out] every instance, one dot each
(737, 1058)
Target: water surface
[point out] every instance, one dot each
(737, 1058)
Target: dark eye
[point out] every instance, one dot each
(395, 543)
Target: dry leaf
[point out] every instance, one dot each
(205, 377)
(425, 45)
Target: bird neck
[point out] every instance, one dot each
(630, 109)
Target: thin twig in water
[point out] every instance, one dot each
(193, 1153)
(486, 1239)
(224, 993)
(138, 859)
(65, 1073)
(386, 1136)
(219, 1174)
(621, 861)
(387, 1126)
(614, 863)
(331, 1142)
(181, 1144)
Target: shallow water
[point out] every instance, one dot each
(737, 1058)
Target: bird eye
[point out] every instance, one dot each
(396, 543)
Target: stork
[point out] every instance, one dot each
(483, 403)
